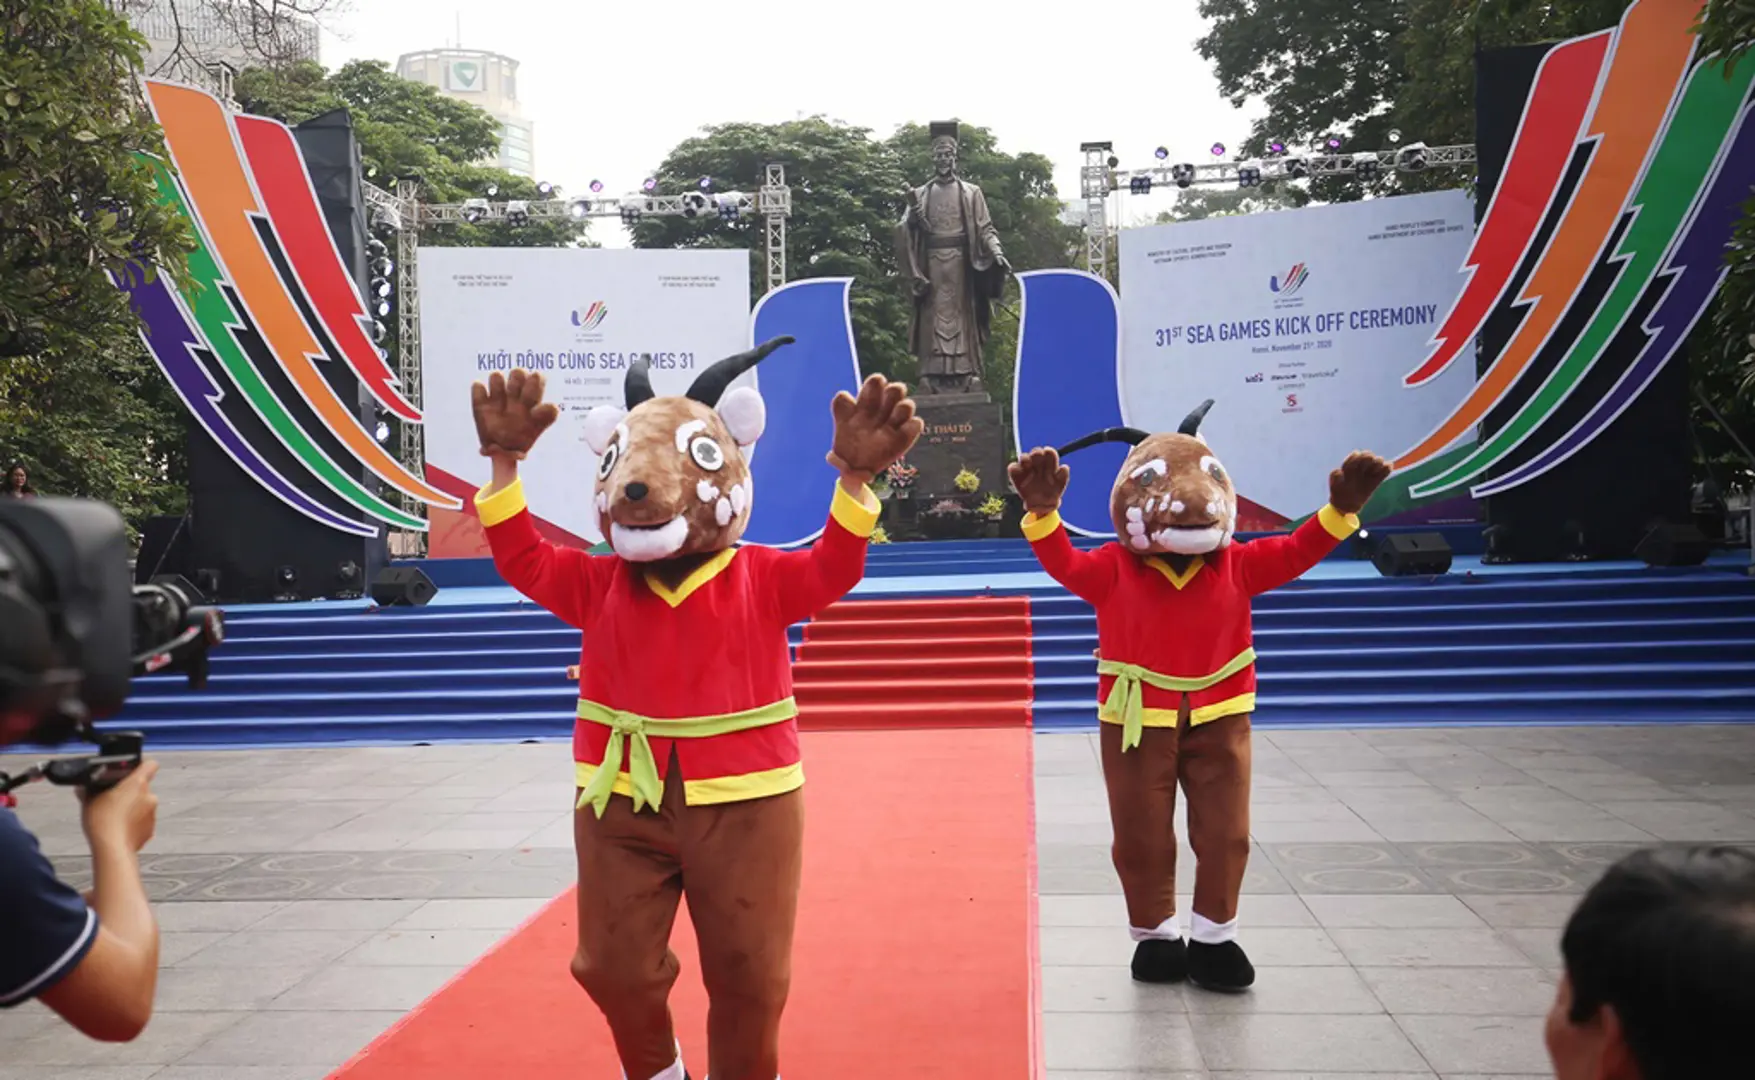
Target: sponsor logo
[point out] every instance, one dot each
(1257, 377)
(1291, 281)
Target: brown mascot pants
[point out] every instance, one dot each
(739, 864)
(1211, 762)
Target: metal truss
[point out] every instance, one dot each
(1099, 178)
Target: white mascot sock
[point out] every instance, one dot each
(675, 1072)
(1166, 931)
(1207, 932)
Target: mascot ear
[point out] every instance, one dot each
(745, 415)
(600, 425)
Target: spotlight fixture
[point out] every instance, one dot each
(1411, 158)
(1334, 142)
(517, 213)
(1296, 168)
(544, 188)
(1365, 165)
(492, 190)
(349, 581)
(1276, 147)
(474, 210)
(382, 266)
(596, 186)
(381, 288)
(1140, 185)
(383, 431)
(286, 581)
(730, 206)
(1161, 153)
(694, 204)
(580, 208)
(1182, 175)
(385, 221)
(1394, 136)
(1114, 161)
(1218, 149)
(379, 332)
(630, 214)
(706, 183)
(383, 309)
(376, 248)
(1249, 175)
(649, 184)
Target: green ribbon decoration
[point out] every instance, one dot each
(1127, 704)
(629, 734)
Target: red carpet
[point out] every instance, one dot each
(916, 950)
(880, 664)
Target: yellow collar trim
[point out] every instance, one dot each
(701, 574)
(1179, 580)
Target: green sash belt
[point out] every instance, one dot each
(632, 730)
(1124, 702)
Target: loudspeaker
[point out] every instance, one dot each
(1412, 555)
(1673, 545)
(402, 586)
(164, 548)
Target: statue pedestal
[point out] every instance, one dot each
(963, 431)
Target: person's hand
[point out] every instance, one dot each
(874, 430)
(125, 815)
(1040, 480)
(510, 414)
(1351, 486)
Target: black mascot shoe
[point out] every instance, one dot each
(1225, 968)
(1158, 961)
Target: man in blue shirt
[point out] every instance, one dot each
(93, 958)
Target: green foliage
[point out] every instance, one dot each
(1728, 26)
(1199, 203)
(79, 402)
(406, 128)
(848, 190)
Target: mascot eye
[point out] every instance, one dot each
(1215, 470)
(1149, 473)
(707, 454)
(606, 464)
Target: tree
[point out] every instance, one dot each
(848, 197)
(1728, 26)
(1199, 203)
(202, 32)
(79, 402)
(406, 128)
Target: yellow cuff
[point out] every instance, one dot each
(503, 505)
(1035, 528)
(858, 516)
(1339, 525)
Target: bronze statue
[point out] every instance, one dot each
(951, 254)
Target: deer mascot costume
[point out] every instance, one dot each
(686, 744)
(1177, 671)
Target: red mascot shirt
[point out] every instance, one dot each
(1192, 627)
(714, 646)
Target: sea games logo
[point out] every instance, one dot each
(592, 317)
(1291, 281)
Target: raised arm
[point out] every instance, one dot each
(1040, 480)
(872, 432)
(1275, 560)
(510, 416)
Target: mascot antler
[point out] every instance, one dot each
(711, 383)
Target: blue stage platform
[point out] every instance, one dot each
(1549, 644)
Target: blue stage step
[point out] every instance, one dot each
(1548, 645)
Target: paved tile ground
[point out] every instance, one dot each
(1402, 905)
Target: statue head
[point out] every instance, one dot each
(673, 475)
(944, 147)
(1172, 497)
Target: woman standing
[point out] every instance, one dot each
(17, 484)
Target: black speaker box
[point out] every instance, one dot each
(402, 586)
(1412, 555)
(1673, 545)
(164, 548)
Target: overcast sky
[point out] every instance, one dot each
(612, 87)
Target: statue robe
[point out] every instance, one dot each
(948, 327)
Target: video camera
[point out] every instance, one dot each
(74, 631)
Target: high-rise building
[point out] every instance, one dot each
(488, 81)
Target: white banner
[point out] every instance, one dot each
(1300, 325)
(579, 316)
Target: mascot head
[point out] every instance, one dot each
(673, 475)
(1172, 496)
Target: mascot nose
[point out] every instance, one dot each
(636, 491)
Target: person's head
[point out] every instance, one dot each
(1660, 970)
(17, 477)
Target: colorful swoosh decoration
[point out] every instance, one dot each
(1677, 174)
(201, 142)
(285, 185)
(1695, 270)
(267, 281)
(1544, 144)
(1652, 50)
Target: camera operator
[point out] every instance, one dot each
(94, 958)
(73, 633)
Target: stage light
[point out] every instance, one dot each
(376, 248)
(383, 431)
(1411, 158)
(1334, 142)
(286, 579)
(1218, 149)
(694, 204)
(383, 309)
(1249, 175)
(730, 206)
(1498, 537)
(1140, 185)
(1395, 135)
(1365, 165)
(474, 210)
(385, 221)
(1182, 174)
(379, 332)
(350, 580)
(580, 208)
(630, 215)
(596, 186)
(381, 288)
(1276, 147)
(1114, 161)
(517, 213)
(492, 190)
(1162, 152)
(649, 184)
(706, 183)
(1296, 168)
(544, 188)
(382, 266)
